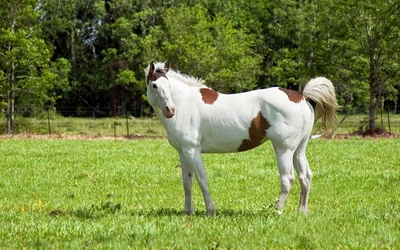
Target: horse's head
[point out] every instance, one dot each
(158, 88)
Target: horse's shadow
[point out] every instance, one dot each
(165, 212)
(102, 209)
(168, 212)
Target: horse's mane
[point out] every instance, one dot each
(176, 75)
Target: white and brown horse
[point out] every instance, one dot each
(200, 120)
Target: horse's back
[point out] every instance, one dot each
(243, 121)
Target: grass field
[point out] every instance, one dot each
(127, 194)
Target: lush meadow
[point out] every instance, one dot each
(120, 194)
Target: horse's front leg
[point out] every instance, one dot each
(193, 157)
(187, 180)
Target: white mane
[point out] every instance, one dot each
(176, 75)
(186, 79)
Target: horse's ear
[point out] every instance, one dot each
(152, 66)
(167, 65)
(151, 71)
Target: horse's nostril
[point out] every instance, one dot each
(170, 110)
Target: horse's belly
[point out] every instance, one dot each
(229, 145)
(241, 131)
(219, 147)
(225, 149)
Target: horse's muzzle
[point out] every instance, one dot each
(169, 111)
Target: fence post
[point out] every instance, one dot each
(382, 102)
(388, 112)
(127, 124)
(48, 120)
(115, 119)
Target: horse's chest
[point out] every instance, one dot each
(174, 142)
(180, 135)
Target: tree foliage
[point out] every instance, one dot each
(366, 36)
(28, 74)
(211, 48)
(81, 55)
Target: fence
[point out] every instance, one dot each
(49, 122)
(52, 124)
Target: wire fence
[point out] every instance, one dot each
(116, 125)
(52, 123)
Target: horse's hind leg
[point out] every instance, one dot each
(187, 181)
(284, 159)
(303, 171)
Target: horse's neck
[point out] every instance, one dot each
(179, 92)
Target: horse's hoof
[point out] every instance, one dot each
(211, 213)
(303, 211)
(189, 212)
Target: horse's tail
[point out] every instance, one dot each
(321, 91)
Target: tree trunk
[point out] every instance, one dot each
(372, 90)
(10, 107)
(371, 117)
(73, 59)
(11, 82)
(10, 100)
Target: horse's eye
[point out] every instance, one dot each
(154, 86)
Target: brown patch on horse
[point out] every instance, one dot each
(257, 133)
(157, 74)
(154, 74)
(294, 96)
(209, 96)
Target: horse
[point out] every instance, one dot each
(198, 119)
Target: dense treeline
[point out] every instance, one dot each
(74, 54)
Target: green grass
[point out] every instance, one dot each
(151, 127)
(106, 194)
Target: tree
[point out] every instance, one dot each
(104, 42)
(365, 37)
(211, 48)
(28, 75)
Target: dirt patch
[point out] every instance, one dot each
(376, 136)
(374, 133)
(144, 137)
(79, 137)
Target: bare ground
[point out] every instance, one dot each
(78, 137)
(380, 135)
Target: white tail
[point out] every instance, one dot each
(322, 92)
